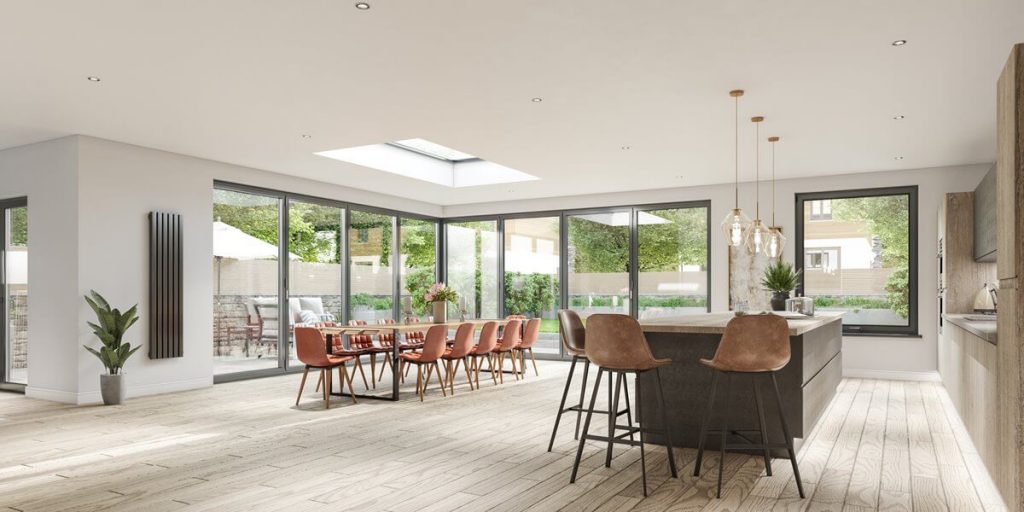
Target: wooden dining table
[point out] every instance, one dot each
(397, 330)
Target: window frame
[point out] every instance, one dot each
(909, 330)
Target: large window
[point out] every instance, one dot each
(599, 254)
(858, 250)
(315, 269)
(532, 276)
(371, 256)
(672, 261)
(418, 266)
(246, 250)
(14, 287)
(472, 263)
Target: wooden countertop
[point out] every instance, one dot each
(714, 323)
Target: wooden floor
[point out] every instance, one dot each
(243, 446)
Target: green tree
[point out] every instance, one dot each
(529, 294)
(888, 218)
(600, 247)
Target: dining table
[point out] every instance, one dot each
(397, 329)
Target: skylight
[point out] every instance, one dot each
(428, 161)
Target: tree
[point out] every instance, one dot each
(604, 248)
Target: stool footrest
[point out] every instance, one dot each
(614, 440)
(746, 447)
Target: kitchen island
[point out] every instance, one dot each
(807, 383)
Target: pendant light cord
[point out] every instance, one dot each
(773, 184)
(757, 169)
(736, 148)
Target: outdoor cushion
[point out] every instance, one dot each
(308, 317)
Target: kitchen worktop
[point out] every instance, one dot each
(984, 329)
(714, 323)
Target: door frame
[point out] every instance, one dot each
(5, 205)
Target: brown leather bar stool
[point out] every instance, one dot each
(573, 336)
(753, 345)
(616, 344)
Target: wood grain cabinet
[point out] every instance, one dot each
(1010, 163)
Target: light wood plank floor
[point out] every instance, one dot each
(882, 445)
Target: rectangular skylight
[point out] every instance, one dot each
(433, 149)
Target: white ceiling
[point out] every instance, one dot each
(240, 81)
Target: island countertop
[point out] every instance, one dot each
(714, 323)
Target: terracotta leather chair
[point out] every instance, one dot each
(616, 344)
(359, 345)
(484, 349)
(458, 354)
(753, 345)
(530, 335)
(413, 339)
(311, 349)
(433, 349)
(511, 339)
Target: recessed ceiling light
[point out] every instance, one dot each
(899, 42)
(306, 136)
(625, 147)
(537, 100)
(93, 78)
(362, 6)
(899, 158)
(897, 118)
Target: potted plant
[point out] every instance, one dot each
(438, 296)
(113, 354)
(781, 279)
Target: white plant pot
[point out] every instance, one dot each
(440, 312)
(113, 389)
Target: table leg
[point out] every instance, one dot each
(395, 366)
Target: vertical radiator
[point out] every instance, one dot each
(165, 282)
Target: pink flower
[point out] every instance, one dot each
(429, 297)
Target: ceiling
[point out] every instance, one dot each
(242, 81)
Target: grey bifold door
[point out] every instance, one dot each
(14, 292)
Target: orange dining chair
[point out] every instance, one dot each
(530, 335)
(484, 349)
(511, 339)
(311, 349)
(433, 349)
(386, 339)
(459, 353)
(359, 345)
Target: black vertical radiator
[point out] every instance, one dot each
(165, 283)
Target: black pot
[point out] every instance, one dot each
(779, 301)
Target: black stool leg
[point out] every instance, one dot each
(583, 397)
(664, 423)
(643, 426)
(704, 424)
(629, 410)
(586, 426)
(761, 424)
(725, 434)
(561, 406)
(789, 440)
(613, 406)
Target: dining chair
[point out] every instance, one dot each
(530, 335)
(484, 350)
(433, 349)
(754, 345)
(311, 349)
(512, 337)
(458, 354)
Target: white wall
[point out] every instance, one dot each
(863, 356)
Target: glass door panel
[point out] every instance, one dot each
(14, 286)
(598, 273)
(314, 269)
(418, 267)
(246, 238)
(370, 245)
(531, 275)
(672, 261)
(472, 260)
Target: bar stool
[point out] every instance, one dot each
(616, 344)
(753, 345)
(573, 336)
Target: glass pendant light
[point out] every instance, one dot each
(736, 224)
(776, 241)
(757, 235)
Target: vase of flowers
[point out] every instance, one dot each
(438, 296)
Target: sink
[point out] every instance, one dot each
(982, 318)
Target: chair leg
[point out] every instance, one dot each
(583, 397)
(469, 379)
(490, 368)
(761, 425)
(613, 407)
(322, 389)
(501, 366)
(725, 434)
(347, 377)
(704, 424)
(302, 385)
(534, 360)
(359, 364)
(419, 381)
(383, 366)
(789, 440)
(319, 382)
(586, 427)
(561, 406)
(328, 388)
(373, 369)
(438, 368)
(664, 422)
(515, 370)
(643, 426)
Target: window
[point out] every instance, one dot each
(858, 250)
(370, 254)
(672, 261)
(532, 275)
(14, 287)
(315, 265)
(472, 262)
(599, 254)
(418, 265)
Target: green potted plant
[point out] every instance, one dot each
(780, 278)
(114, 353)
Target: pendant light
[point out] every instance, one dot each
(736, 224)
(776, 241)
(757, 235)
